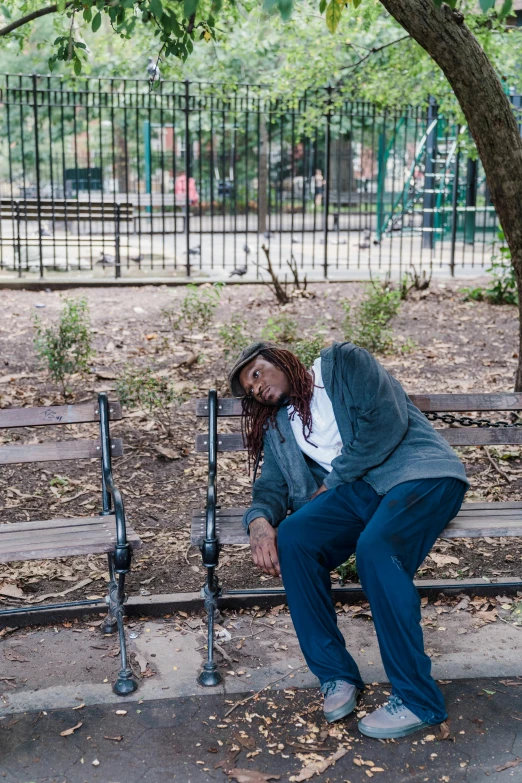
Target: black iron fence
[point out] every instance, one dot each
(110, 176)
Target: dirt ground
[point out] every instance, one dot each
(458, 346)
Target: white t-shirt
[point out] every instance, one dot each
(324, 442)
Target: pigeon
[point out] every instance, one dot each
(365, 244)
(105, 260)
(268, 235)
(295, 241)
(44, 231)
(153, 72)
(137, 257)
(246, 249)
(195, 251)
(240, 271)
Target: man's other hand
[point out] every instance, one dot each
(263, 543)
(321, 489)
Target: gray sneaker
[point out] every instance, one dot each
(391, 721)
(340, 699)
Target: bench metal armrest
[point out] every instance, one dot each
(111, 495)
(210, 545)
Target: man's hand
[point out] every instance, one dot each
(321, 489)
(263, 543)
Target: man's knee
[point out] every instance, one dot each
(291, 536)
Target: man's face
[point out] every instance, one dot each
(264, 382)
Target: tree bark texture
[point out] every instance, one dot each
(488, 111)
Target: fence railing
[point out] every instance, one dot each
(193, 178)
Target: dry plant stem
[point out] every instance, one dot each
(275, 286)
(223, 652)
(269, 685)
(497, 468)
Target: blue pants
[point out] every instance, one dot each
(390, 536)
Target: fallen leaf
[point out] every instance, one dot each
(247, 742)
(317, 767)
(11, 591)
(11, 655)
(106, 375)
(166, 453)
(68, 732)
(115, 739)
(95, 763)
(121, 712)
(251, 775)
(508, 765)
(444, 732)
(442, 560)
(79, 707)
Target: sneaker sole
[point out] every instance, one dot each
(376, 733)
(343, 711)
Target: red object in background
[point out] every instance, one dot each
(180, 188)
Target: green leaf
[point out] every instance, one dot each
(156, 8)
(357, 3)
(322, 6)
(61, 5)
(96, 22)
(333, 15)
(6, 12)
(87, 14)
(216, 6)
(285, 9)
(190, 7)
(506, 10)
(486, 5)
(269, 6)
(77, 66)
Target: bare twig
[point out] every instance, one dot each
(497, 468)
(374, 50)
(275, 286)
(269, 685)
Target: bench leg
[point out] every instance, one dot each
(126, 682)
(210, 675)
(110, 624)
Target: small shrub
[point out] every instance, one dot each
(66, 347)
(140, 388)
(503, 288)
(280, 329)
(234, 336)
(348, 571)
(308, 349)
(368, 325)
(197, 308)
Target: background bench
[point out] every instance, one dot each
(47, 213)
(107, 532)
(215, 526)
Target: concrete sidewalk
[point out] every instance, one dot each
(171, 723)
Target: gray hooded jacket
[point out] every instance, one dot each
(386, 440)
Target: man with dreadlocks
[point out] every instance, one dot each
(361, 470)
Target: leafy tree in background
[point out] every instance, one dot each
(462, 43)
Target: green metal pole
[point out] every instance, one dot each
(148, 164)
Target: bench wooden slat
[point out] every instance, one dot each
(440, 403)
(67, 537)
(61, 450)
(475, 520)
(55, 524)
(56, 414)
(456, 436)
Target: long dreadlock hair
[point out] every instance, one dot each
(257, 418)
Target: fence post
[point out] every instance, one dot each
(37, 165)
(454, 212)
(471, 201)
(326, 213)
(187, 175)
(117, 261)
(428, 202)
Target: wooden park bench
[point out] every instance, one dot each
(107, 532)
(216, 526)
(48, 214)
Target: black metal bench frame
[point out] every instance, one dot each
(119, 560)
(474, 519)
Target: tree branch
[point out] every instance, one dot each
(374, 50)
(51, 9)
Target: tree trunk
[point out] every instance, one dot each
(488, 111)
